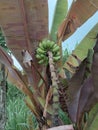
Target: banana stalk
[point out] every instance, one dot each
(55, 118)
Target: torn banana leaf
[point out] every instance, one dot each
(81, 51)
(80, 12)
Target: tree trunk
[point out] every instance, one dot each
(2, 97)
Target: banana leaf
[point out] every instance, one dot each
(5, 58)
(73, 93)
(81, 51)
(21, 82)
(83, 90)
(24, 23)
(42, 102)
(92, 122)
(59, 15)
(80, 12)
(36, 110)
(16, 77)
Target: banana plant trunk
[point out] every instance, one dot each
(54, 78)
(2, 98)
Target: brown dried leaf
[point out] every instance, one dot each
(24, 23)
(80, 11)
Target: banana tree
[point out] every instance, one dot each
(25, 26)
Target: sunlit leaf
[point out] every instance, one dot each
(78, 14)
(59, 16)
(81, 51)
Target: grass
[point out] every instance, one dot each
(19, 116)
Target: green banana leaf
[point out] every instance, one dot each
(36, 111)
(92, 122)
(81, 51)
(59, 15)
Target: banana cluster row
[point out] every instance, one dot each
(43, 48)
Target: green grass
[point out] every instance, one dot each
(17, 112)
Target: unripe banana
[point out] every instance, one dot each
(39, 50)
(42, 56)
(51, 45)
(58, 53)
(38, 56)
(56, 58)
(48, 44)
(56, 49)
(46, 60)
(44, 44)
(55, 45)
(41, 61)
(41, 46)
(44, 47)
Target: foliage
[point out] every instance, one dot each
(64, 117)
(80, 92)
(13, 93)
(61, 8)
(65, 55)
(17, 111)
(92, 121)
(81, 51)
(75, 18)
(3, 42)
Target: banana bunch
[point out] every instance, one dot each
(44, 47)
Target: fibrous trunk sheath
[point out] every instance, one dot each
(55, 118)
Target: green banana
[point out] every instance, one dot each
(46, 60)
(38, 56)
(56, 49)
(51, 45)
(48, 44)
(42, 56)
(44, 47)
(41, 61)
(58, 53)
(41, 46)
(44, 44)
(39, 50)
(56, 58)
(55, 45)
